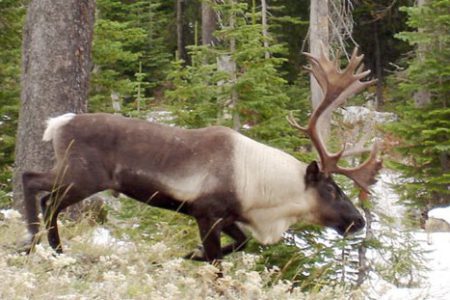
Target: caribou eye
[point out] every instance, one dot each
(330, 189)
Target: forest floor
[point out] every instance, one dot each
(98, 264)
(101, 262)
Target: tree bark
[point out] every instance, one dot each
(378, 66)
(180, 34)
(319, 33)
(363, 263)
(422, 97)
(209, 21)
(265, 32)
(55, 76)
(234, 94)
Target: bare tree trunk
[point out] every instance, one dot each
(234, 93)
(209, 21)
(55, 76)
(319, 33)
(180, 36)
(378, 66)
(422, 97)
(265, 32)
(364, 266)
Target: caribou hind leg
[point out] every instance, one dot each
(71, 194)
(33, 183)
(67, 190)
(67, 194)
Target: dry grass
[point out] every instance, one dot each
(98, 265)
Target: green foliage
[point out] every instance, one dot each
(310, 260)
(151, 220)
(424, 130)
(11, 21)
(383, 18)
(288, 22)
(128, 37)
(196, 97)
(401, 257)
(203, 93)
(306, 267)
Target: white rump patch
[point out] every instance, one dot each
(53, 124)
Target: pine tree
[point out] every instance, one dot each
(129, 37)
(205, 90)
(424, 130)
(11, 22)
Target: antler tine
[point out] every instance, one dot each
(290, 118)
(355, 61)
(364, 174)
(337, 86)
(316, 69)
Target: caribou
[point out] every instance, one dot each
(228, 182)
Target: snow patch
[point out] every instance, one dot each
(438, 258)
(386, 199)
(442, 213)
(161, 116)
(10, 214)
(102, 237)
(435, 283)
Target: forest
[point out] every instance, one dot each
(239, 64)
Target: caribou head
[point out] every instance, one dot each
(337, 85)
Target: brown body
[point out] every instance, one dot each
(223, 179)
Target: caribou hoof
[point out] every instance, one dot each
(197, 255)
(26, 247)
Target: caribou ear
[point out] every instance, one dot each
(313, 173)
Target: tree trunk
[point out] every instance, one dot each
(180, 34)
(422, 97)
(319, 33)
(55, 76)
(364, 266)
(209, 20)
(234, 94)
(265, 32)
(378, 66)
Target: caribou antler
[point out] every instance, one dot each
(337, 86)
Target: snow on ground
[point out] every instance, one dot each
(442, 213)
(9, 214)
(436, 282)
